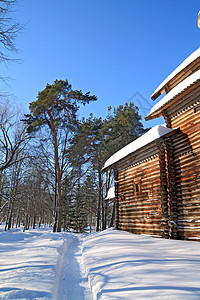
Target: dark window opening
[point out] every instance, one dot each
(137, 188)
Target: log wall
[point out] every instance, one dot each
(158, 186)
(186, 115)
(138, 194)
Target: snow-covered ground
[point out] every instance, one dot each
(27, 263)
(121, 265)
(39, 264)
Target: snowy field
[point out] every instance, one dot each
(39, 264)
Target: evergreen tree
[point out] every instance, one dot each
(71, 199)
(121, 126)
(87, 145)
(90, 195)
(97, 139)
(56, 107)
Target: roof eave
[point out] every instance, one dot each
(185, 64)
(158, 93)
(158, 111)
(113, 165)
(152, 116)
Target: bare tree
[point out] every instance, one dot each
(13, 137)
(12, 194)
(8, 29)
(13, 150)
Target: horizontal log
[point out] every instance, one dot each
(141, 210)
(155, 232)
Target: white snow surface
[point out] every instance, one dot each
(150, 136)
(39, 264)
(181, 87)
(192, 57)
(121, 265)
(111, 193)
(27, 263)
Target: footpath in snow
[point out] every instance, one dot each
(39, 264)
(71, 280)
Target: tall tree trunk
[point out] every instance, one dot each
(90, 222)
(58, 171)
(17, 220)
(26, 223)
(55, 204)
(8, 216)
(13, 222)
(59, 211)
(34, 221)
(99, 198)
(10, 219)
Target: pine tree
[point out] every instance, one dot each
(56, 107)
(90, 195)
(87, 145)
(121, 126)
(98, 139)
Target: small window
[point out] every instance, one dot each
(137, 187)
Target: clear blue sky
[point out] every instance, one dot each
(112, 48)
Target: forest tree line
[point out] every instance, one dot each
(51, 161)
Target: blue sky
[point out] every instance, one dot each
(112, 48)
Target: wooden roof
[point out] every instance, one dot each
(186, 68)
(147, 138)
(188, 84)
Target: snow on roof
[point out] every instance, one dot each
(153, 134)
(182, 66)
(111, 193)
(180, 88)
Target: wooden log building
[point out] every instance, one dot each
(157, 176)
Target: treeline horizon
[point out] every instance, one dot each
(51, 161)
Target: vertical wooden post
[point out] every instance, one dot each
(168, 188)
(167, 118)
(172, 201)
(116, 200)
(163, 188)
